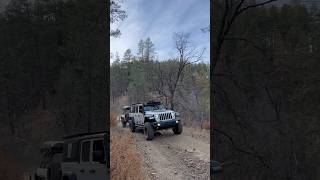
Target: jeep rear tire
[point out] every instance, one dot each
(132, 125)
(148, 131)
(178, 128)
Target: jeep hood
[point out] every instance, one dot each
(158, 112)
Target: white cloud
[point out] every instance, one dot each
(159, 19)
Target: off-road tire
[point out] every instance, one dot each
(178, 128)
(36, 177)
(70, 177)
(148, 131)
(132, 126)
(54, 169)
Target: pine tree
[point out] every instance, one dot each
(149, 54)
(141, 49)
(127, 56)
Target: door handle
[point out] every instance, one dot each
(92, 171)
(82, 170)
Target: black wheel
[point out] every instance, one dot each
(148, 131)
(178, 128)
(71, 177)
(54, 171)
(123, 122)
(132, 126)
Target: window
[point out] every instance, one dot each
(148, 108)
(140, 109)
(98, 151)
(70, 152)
(152, 107)
(86, 151)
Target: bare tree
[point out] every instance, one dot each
(187, 54)
(230, 11)
(226, 14)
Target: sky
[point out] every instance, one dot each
(159, 20)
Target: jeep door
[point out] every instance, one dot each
(139, 116)
(98, 159)
(92, 165)
(132, 112)
(70, 164)
(84, 165)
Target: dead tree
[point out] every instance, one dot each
(187, 54)
(230, 11)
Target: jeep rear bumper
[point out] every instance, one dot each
(165, 124)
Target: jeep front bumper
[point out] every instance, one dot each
(165, 124)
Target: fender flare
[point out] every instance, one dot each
(146, 119)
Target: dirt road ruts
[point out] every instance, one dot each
(169, 156)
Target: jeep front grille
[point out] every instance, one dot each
(165, 116)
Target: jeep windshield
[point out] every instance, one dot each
(154, 107)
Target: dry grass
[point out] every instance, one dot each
(125, 160)
(9, 168)
(205, 125)
(113, 119)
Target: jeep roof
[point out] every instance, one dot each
(153, 103)
(150, 103)
(126, 107)
(55, 146)
(85, 135)
(136, 104)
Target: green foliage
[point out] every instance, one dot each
(146, 50)
(116, 14)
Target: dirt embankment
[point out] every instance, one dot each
(125, 159)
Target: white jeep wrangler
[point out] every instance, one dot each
(153, 116)
(85, 156)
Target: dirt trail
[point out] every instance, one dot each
(170, 156)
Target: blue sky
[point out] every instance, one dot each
(159, 20)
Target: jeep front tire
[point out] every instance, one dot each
(148, 131)
(178, 128)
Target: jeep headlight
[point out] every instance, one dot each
(156, 116)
